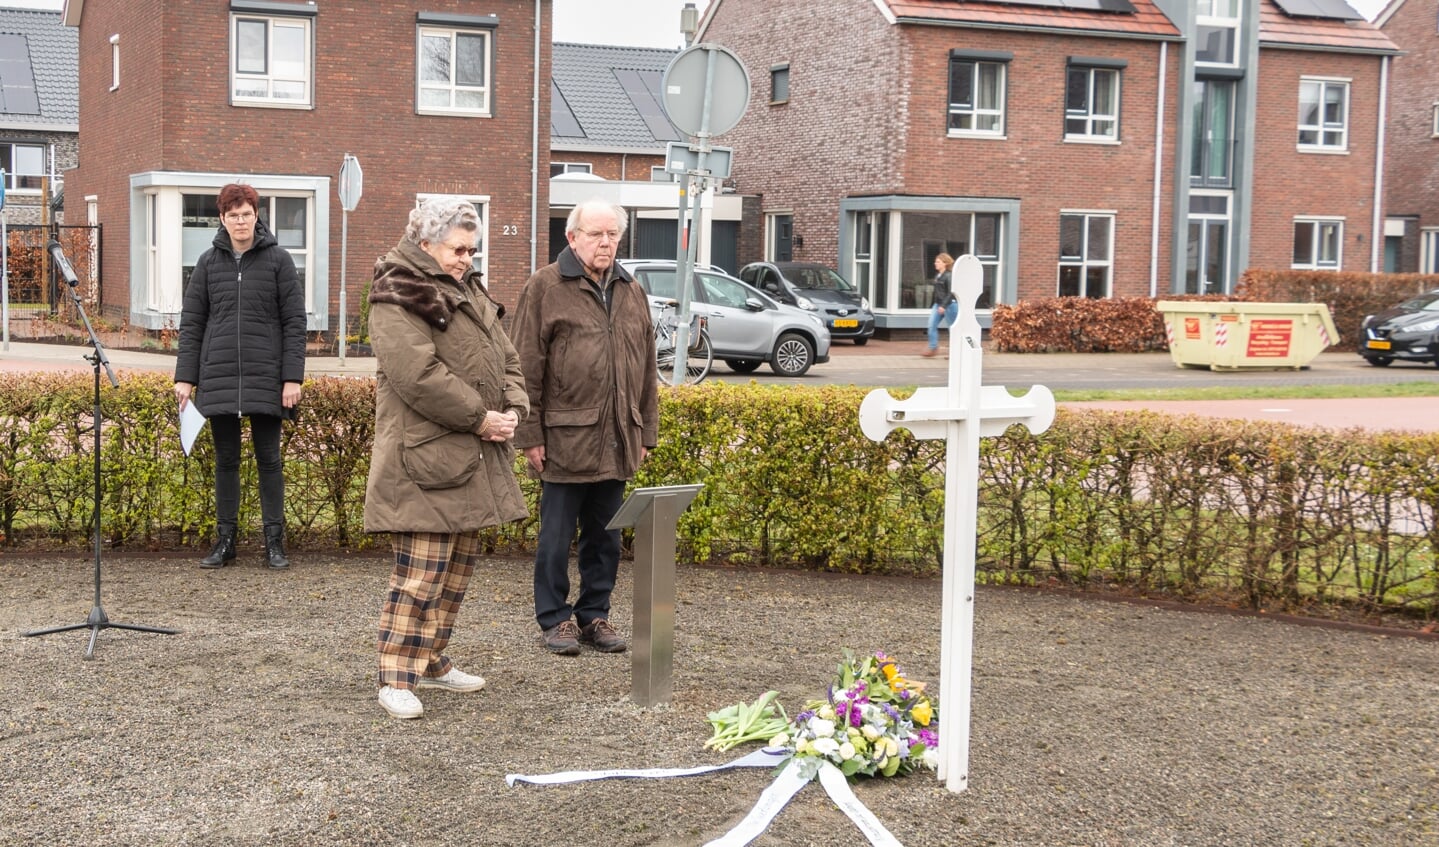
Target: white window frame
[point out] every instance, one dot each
(270, 77)
(570, 168)
(1212, 14)
(972, 111)
(156, 206)
(13, 174)
(1083, 261)
(481, 202)
(1434, 125)
(1317, 260)
(1090, 118)
(1429, 250)
(1324, 129)
(453, 33)
(114, 61)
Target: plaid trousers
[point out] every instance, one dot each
(432, 571)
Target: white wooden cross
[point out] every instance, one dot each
(960, 413)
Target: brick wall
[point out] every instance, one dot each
(1411, 161)
(1289, 183)
(867, 115)
(174, 115)
(840, 132)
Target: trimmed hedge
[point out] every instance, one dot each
(1260, 514)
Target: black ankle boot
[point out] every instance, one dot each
(222, 552)
(275, 548)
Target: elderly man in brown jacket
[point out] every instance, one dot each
(448, 397)
(587, 348)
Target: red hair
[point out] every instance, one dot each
(235, 195)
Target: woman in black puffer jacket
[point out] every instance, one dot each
(242, 344)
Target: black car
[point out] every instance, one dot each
(1408, 331)
(817, 289)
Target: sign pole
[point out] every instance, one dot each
(351, 187)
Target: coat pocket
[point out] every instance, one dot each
(435, 457)
(572, 439)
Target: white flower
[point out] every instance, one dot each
(846, 750)
(870, 732)
(781, 740)
(930, 759)
(821, 727)
(825, 746)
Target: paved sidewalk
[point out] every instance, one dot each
(1017, 371)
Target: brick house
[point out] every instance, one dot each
(1411, 164)
(1094, 148)
(434, 98)
(607, 122)
(40, 113)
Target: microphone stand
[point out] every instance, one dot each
(97, 619)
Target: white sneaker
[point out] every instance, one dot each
(401, 703)
(455, 680)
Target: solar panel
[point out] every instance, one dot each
(1117, 6)
(1331, 9)
(563, 122)
(643, 89)
(17, 80)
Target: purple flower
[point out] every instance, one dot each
(929, 737)
(890, 710)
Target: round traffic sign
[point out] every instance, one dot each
(705, 73)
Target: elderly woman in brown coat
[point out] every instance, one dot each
(449, 395)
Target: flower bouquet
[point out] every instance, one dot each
(874, 722)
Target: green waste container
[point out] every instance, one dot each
(1246, 336)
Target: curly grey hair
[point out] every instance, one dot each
(435, 217)
(597, 205)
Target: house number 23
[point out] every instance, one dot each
(509, 229)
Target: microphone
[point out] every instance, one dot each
(58, 254)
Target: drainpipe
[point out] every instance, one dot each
(1376, 237)
(1158, 172)
(535, 144)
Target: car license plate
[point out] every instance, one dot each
(850, 323)
(1378, 345)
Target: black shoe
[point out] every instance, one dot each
(275, 548)
(562, 638)
(599, 634)
(222, 553)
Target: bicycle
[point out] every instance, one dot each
(700, 355)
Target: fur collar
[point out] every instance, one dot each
(408, 280)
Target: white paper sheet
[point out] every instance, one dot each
(191, 422)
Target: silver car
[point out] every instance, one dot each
(746, 326)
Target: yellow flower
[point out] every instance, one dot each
(922, 713)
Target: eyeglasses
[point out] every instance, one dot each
(601, 234)
(462, 250)
(239, 217)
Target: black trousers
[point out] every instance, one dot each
(265, 438)
(565, 507)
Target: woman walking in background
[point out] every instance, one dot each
(944, 308)
(242, 345)
(448, 397)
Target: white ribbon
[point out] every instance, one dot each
(767, 757)
(843, 796)
(771, 801)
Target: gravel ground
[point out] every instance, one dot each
(1094, 722)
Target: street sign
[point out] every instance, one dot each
(691, 87)
(681, 158)
(351, 183)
